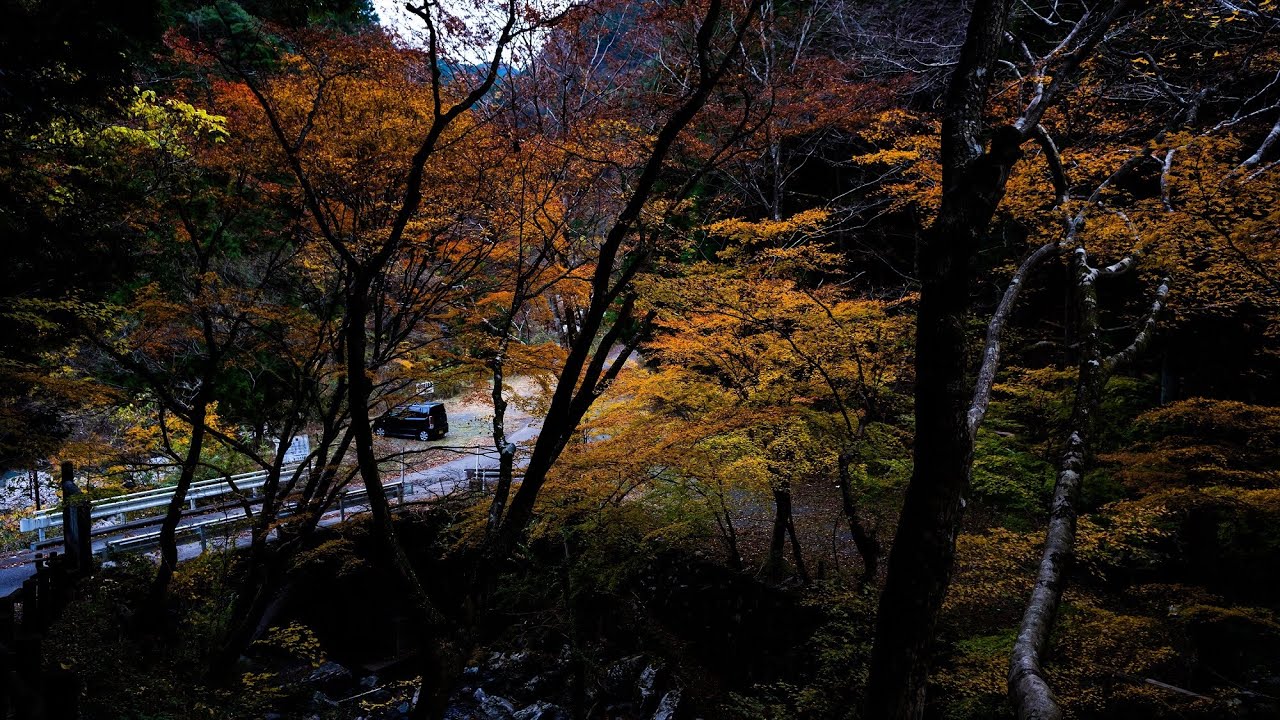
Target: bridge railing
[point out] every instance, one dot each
(203, 529)
(156, 497)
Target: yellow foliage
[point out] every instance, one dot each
(296, 640)
(170, 126)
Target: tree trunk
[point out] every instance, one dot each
(437, 672)
(784, 527)
(865, 541)
(781, 519)
(1029, 691)
(921, 559)
(359, 389)
(797, 553)
(730, 534)
(506, 450)
(169, 528)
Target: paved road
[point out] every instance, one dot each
(424, 485)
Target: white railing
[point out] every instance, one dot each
(201, 528)
(158, 497)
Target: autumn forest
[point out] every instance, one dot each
(639, 359)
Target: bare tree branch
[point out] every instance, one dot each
(991, 352)
(1147, 331)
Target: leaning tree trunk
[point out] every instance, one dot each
(1029, 690)
(585, 373)
(1032, 695)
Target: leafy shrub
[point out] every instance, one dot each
(1202, 442)
(1008, 478)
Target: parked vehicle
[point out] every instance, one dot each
(425, 421)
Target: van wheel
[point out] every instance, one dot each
(424, 435)
(380, 432)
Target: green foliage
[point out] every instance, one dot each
(883, 459)
(973, 679)
(243, 35)
(1123, 398)
(1101, 487)
(838, 653)
(1033, 404)
(147, 124)
(1007, 477)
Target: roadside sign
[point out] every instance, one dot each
(299, 449)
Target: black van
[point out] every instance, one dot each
(424, 422)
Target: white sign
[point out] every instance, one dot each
(299, 449)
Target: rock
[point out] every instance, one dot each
(541, 711)
(320, 701)
(536, 685)
(368, 682)
(649, 682)
(455, 712)
(620, 677)
(330, 677)
(493, 707)
(505, 663)
(622, 710)
(669, 707)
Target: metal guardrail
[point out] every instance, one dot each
(145, 541)
(356, 496)
(152, 539)
(157, 497)
(481, 478)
